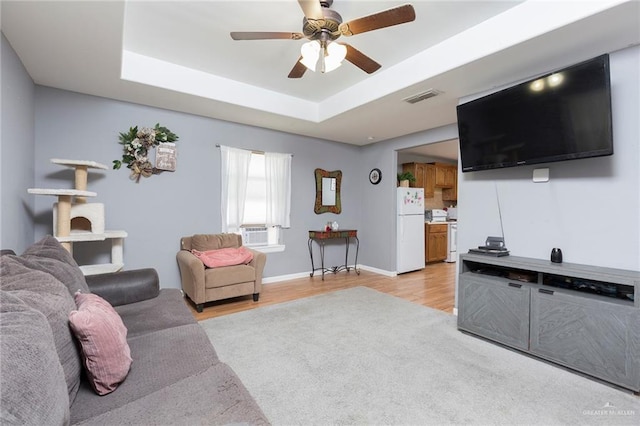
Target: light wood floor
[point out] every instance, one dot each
(434, 286)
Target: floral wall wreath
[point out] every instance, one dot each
(137, 144)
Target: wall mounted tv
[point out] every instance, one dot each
(563, 115)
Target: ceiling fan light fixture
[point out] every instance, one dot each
(336, 53)
(310, 52)
(330, 65)
(330, 57)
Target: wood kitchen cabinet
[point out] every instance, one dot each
(445, 175)
(425, 175)
(451, 194)
(429, 180)
(435, 242)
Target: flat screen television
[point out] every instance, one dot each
(563, 115)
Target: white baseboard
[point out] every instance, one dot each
(280, 278)
(378, 271)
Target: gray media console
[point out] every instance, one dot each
(583, 317)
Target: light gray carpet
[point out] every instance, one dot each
(358, 356)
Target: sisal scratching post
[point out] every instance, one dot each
(81, 168)
(63, 224)
(81, 181)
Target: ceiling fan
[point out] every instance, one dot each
(322, 26)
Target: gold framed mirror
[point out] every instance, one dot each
(328, 191)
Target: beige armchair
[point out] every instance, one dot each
(203, 284)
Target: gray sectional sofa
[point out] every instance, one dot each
(175, 376)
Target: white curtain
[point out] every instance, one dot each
(234, 172)
(278, 177)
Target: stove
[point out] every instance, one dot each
(435, 215)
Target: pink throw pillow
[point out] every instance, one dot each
(103, 337)
(224, 257)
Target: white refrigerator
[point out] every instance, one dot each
(410, 229)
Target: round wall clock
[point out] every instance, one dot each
(375, 176)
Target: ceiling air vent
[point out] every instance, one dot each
(422, 96)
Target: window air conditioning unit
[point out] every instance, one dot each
(257, 236)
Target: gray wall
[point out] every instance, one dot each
(590, 208)
(159, 210)
(16, 151)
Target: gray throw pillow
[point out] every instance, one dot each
(44, 293)
(49, 256)
(31, 377)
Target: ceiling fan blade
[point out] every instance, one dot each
(311, 9)
(387, 18)
(257, 35)
(298, 69)
(361, 60)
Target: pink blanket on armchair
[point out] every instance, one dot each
(224, 257)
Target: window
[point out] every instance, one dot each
(255, 202)
(256, 193)
(253, 227)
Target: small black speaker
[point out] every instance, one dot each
(556, 255)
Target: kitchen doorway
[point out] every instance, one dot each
(442, 155)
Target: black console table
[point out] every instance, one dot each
(321, 238)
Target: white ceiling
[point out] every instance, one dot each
(445, 150)
(179, 55)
